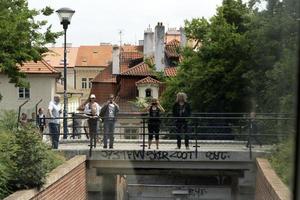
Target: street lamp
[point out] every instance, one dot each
(65, 15)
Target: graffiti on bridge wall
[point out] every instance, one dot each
(164, 155)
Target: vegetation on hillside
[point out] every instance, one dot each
(282, 160)
(244, 59)
(24, 159)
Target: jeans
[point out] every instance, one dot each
(109, 128)
(54, 130)
(182, 128)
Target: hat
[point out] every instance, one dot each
(92, 96)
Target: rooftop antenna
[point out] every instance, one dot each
(120, 34)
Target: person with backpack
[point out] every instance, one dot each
(109, 113)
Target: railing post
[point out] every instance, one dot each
(73, 125)
(249, 138)
(144, 130)
(196, 135)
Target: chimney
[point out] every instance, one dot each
(159, 53)
(182, 37)
(148, 43)
(116, 60)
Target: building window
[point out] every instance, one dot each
(84, 83)
(90, 82)
(148, 92)
(131, 133)
(24, 93)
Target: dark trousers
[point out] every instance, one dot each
(54, 130)
(254, 140)
(93, 126)
(109, 129)
(182, 129)
(153, 129)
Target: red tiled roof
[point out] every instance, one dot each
(105, 76)
(39, 67)
(94, 56)
(141, 69)
(55, 56)
(170, 71)
(148, 80)
(129, 58)
(171, 48)
(132, 48)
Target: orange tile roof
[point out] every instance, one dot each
(141, 69)
(132, 48)
(55, 56)
(171, 48)
(105, 76)
(94, 56)
(39, 67)
(148, 80)
(170, 71)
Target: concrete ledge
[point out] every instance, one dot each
(52, 177)
(277, 189)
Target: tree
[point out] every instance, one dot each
(246, 60)
(215, 70)
(21, 39)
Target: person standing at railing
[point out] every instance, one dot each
(109, 113)
(54, 110)
(181, 109)
(23, 120)
(41, 120)
(154, 110)
(92, 110)
(253, 128)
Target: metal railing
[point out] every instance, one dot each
(201, 128)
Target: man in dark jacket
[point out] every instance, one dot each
(109, 113)
(181, 109)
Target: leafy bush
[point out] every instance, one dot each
(282, 161)
(24, 159)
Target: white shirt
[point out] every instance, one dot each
(55, 110)
(111, 110)
(88, 110)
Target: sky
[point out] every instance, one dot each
(97, 21)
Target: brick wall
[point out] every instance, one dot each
(268, 184)
(68, 181)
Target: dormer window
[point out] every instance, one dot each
(148, 92)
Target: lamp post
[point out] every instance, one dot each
(65, 15)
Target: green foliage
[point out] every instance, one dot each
(282, 160)
(21, 37)
(8, 120)
(215, 70)
(141, 103)
(245, 60)
(24, 159)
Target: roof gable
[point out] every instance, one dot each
(148, 80)
(39, 67)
